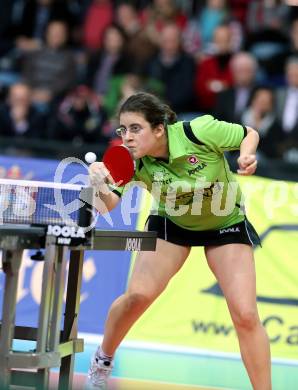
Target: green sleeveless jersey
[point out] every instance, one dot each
(195, 188)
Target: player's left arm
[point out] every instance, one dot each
(247, 160)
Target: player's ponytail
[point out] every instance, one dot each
(170, 115)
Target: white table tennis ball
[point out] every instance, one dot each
(90, 157)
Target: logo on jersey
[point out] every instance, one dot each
(196, 169)
(162, 177)
(193, 160)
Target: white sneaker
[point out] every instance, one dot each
(98, 374)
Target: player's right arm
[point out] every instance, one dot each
(105, 199)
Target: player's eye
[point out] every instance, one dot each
(135, 129)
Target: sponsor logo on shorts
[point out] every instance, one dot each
(230, 230)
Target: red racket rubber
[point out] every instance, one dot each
(120, 163)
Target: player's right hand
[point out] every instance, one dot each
(99, 175)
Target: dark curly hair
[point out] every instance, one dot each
(151, 107)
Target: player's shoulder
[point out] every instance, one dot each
(202, 121)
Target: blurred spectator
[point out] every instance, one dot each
(123, 86)
(98, 17)
(271, 14)
(51, 70)
(231, 102)
(199, 32)
(191, 40)
(268, 39)
(287, 106)
(127, 17)
(190, 7)
(110, 60)
(79, 118)
(30, 20)
(213, 14)
(160, 14)
(175, 69)
(261, 115)
(238, 9)
(18, 117)
(139, 46)
(213, 74)
(294, 38)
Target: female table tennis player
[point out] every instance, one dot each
(185, 160)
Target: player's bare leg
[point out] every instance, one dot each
(233, 266)
(151, 274)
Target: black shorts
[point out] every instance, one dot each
(242, 232)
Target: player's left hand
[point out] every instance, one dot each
(247, 164)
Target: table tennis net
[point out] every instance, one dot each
(42, 203)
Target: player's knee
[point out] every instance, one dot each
(246, 319)
(136, 301)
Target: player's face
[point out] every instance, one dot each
(138, 135)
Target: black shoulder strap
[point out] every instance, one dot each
(141, 164)
(190, 134)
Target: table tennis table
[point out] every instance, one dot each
(55, 347)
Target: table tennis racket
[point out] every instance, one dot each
(120, 163)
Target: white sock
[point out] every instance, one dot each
(102, 355)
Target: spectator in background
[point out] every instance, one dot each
(34, 17)
(51, 70)
(189, 7)
(18, 117)
(287, 106)
(127, 17)
(267, 40)
(214, 74)
(24, 32)
(199, 33)
(140, 47)
(213, 14)
(261, 114)
(80, 118)
(271, 14)
(238, 9)
(174, 68)
(160, 14)
(123, 86)
(294, 38)
(231, 102)
(110, 60)
(98, 17)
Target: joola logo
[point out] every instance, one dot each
(230, 230)
(133, 244)
(197, 169)
(66, 231)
